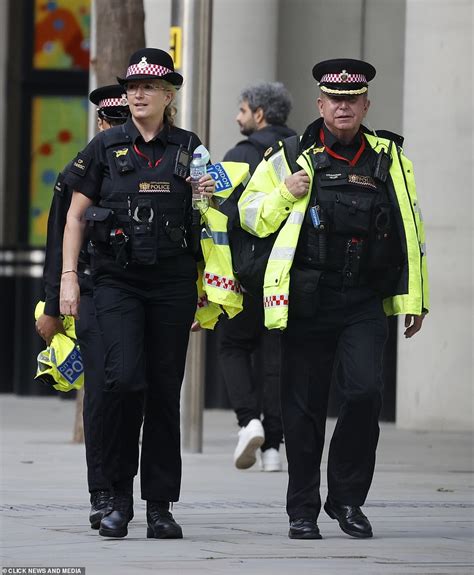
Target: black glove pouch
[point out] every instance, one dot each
(99, 223)
(304, 296)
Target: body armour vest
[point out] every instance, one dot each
(151, 204)
(349, 226)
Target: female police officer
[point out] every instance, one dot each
(132, 190)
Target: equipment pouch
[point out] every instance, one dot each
(144, 240)
(100, 221)
(352, 214)
(304, 297)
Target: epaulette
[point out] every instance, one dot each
(273, 149)
(115, 136)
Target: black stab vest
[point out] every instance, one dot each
(356, 220)
(152, 205)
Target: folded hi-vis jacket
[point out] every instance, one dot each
(266, 203)
(218, 288)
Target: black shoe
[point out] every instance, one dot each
(117, 516)
(161, 524)
(351, 519)
(304, 529)
(99, 502)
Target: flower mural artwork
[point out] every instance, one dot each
(61, 34)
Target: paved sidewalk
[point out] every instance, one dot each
(421, 507)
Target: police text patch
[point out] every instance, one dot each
(80, 165)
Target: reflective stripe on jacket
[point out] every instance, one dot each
(266, 203)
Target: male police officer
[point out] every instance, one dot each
(112, 109)
(351, 250)
(249, 354)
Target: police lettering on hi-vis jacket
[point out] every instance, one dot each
(350, 251)
(132, 191)
(112, 110)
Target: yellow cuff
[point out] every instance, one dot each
(286, 194)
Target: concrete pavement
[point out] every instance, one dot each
(421, 507)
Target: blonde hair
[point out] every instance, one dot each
(171, 110)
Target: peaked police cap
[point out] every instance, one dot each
(109, 96)
(343, 76)
(151, 63)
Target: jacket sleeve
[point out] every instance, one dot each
(415, 300)
(266, 201)
(420, 228)
(54, 247)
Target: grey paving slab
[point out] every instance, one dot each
(421, 507)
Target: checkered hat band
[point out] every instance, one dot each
(112, 102)
(344, 78)
(148, 70)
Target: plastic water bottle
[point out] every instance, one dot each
(197, 170)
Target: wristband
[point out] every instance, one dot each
(69, 272)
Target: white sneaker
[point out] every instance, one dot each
(271, 460)
(251, 437)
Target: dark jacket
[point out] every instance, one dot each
(54, 244)
(252, 149)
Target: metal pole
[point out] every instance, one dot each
(191, 31)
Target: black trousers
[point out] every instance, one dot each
(347, 332)
(145, 315)
(249, 356)
(90, 342)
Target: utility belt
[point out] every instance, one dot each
(139, 235)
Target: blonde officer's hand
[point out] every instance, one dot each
(70, 295)
(207, 185)
(298, 184)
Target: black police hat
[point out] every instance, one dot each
(111, 102)
(109, 96)
(343, 76)
(151, 63)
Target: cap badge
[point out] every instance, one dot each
(123, 100)
(343, 76)
(143, 62)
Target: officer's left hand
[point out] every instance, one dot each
(207, 185)
(196, 326)
(413, 324)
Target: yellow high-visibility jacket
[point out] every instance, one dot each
(267, 202)
(219, 289)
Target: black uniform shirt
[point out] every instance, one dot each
(345, 150)
(95, 176)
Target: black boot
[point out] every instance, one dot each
(99, 502)
(161, 524)
(119, 513)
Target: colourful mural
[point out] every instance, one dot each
(62, 31)
(59, 131)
